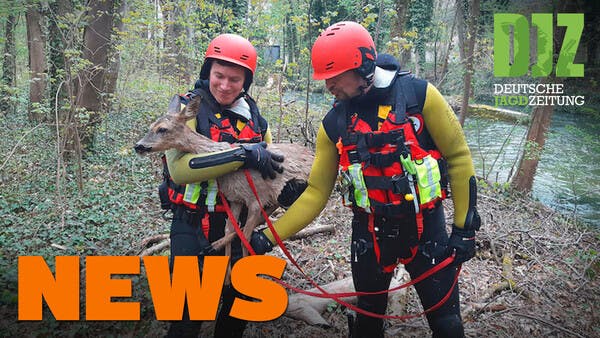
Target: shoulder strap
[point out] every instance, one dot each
(342, 118)
(255, 115)
(204, 112)
(405, 98)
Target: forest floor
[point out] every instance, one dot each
(535, 274)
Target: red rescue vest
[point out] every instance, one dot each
(386, 172)
(219, 128)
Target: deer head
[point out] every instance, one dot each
(169, 130)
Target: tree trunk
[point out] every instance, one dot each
(469, 58)
(399, 27)
(173, 36)
(540, 121)
(536, 138)
(37, 64)
(378, 26)
(114, 63)
(56, 57)
(420, 14)
(449, 48)
(460, 23)
(96, 44)
(9, 68)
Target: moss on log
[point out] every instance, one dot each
(483, 110)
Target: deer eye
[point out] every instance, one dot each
(161, 130)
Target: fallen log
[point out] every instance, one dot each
(152, 239)
(155, 248)
(483, 110)
(312, 231)
(490, 112)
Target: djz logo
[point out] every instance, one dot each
(507, 64)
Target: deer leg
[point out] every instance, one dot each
(236, 208)
(221, 242)
(254, 218)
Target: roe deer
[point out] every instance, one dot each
(170, 131)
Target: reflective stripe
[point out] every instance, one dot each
(413, 191)
(192, 193)
(361, 195)
(428, 179)
(211, 195)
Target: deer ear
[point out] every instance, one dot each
(192, 107)
(175, 105)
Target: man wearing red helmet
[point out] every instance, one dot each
(226, 114)
(393, 142)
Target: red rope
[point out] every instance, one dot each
(235, 224)
(337, 296)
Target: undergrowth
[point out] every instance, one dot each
(113, 211)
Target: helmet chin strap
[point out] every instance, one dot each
(369, 79)
(363, 88)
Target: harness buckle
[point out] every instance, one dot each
(391, 231)
(433, 250)
(400, 184)
(353, 156)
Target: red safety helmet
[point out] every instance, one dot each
(343, 46)
(231, 48)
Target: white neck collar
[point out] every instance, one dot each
(383, 77)
(240, 107)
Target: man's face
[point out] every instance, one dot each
(226, 82)
(346, 85)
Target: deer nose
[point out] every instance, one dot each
(140, 148)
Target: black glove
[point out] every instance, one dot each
(259, 158)
(260, 243)
(461, 243)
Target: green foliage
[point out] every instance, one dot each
(496, 188)
(532, 150)
(116, 209)
(420, 14)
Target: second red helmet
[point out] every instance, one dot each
(341, 47)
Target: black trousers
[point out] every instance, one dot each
(188, 239)
(368, 275)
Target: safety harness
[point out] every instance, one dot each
(386, 172)
(203, 197)
(337, 297)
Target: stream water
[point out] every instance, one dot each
(568, 175)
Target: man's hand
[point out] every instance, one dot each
(462, 244)
(462, 241)
(260, 243)
(259, 158)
